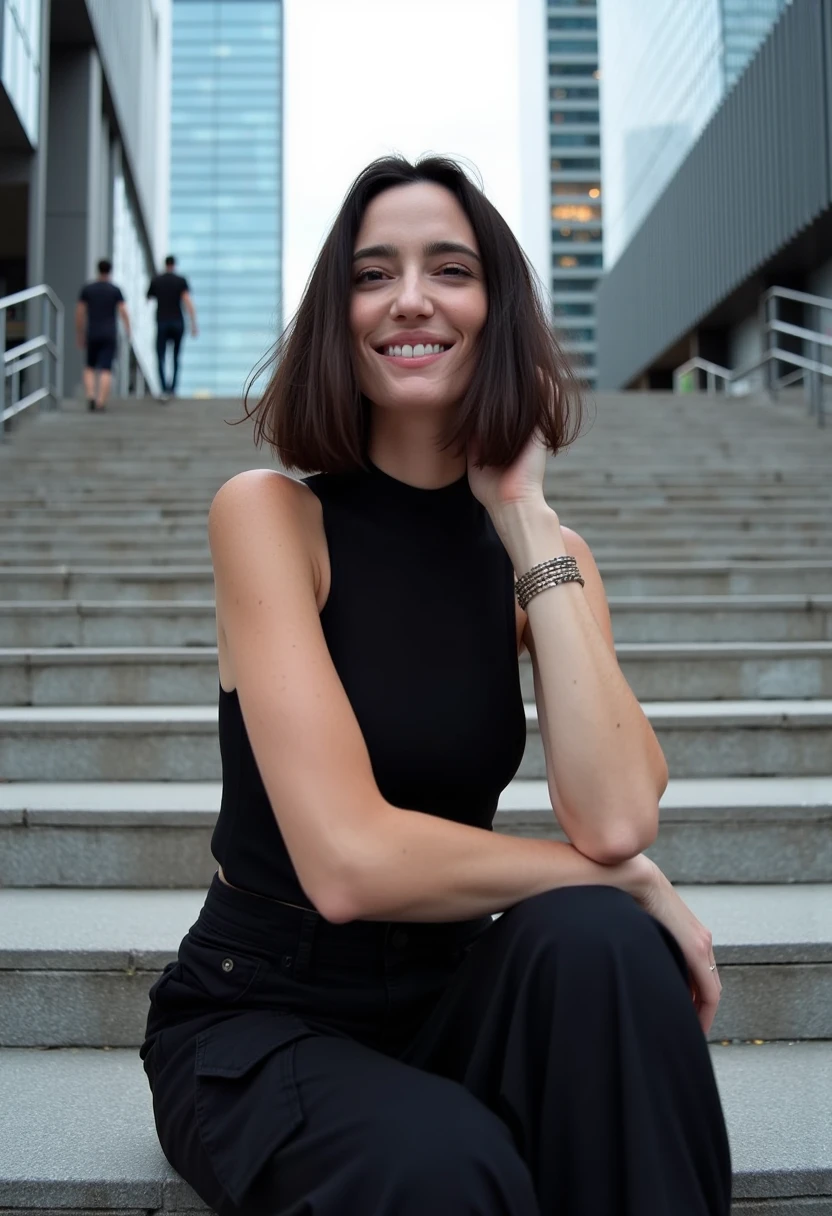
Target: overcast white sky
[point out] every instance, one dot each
(367, 77)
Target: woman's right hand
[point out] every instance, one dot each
(657, 896)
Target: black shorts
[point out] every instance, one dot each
(100, 353)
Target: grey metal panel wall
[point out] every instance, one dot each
(759, 173)
(125, 36)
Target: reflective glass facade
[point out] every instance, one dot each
(665, 68)
(574, 176)
(226, 175)
(20, 62)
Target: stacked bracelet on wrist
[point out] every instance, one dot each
(544, 575)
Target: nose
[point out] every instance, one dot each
(411, 299)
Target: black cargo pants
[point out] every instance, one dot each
(547, 1064)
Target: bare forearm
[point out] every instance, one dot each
(603, 753)
(417, 867)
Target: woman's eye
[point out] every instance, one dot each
(456, 271)
(362, 276)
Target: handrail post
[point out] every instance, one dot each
(2, 375)
(59, 359)
(45, 369)
(769, 378)
(814, 382)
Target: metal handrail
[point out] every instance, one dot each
(726, 374)
(46, 350)
(801, 297)
(800, 364)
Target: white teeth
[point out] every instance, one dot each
(414, 352)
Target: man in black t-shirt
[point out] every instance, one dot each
(96, 330)
(170, 291)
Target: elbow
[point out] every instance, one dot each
(337, 907)
(334, 897)
(338, 891)
(625, 839)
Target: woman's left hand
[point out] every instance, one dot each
(521, 483)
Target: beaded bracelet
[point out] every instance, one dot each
(546, 574)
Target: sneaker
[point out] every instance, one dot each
(164, 396)
(90, 404)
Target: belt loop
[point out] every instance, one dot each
(307, 937)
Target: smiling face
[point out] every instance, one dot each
(418, 285)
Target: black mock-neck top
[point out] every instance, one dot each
(420, 624)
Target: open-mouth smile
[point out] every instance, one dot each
(417, 355)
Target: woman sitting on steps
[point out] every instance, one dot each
(346, 1031)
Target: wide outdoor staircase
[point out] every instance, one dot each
(711, 520)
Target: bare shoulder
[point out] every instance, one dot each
(268, 549)
(261, 495)
(261, 511)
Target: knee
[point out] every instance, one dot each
(459, 1157)
(597, 922)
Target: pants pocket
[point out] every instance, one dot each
(247, 1098)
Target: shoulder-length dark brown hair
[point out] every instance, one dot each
(313, 414)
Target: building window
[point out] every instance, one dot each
(563, 92)
(573, 69)
(576, 335)
(574, 310)
(573, 23)
(570, 46)
(558, 140)
(575, 116)
(574, 285)
(575, 213)
(576, 189)
(566, 162)
(570, 237)
(577, 261)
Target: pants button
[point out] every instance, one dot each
(227, 964)
(399, 939)
(286, 962)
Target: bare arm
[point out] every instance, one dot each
(356, 855)
(125, 319)
(80, 324)
(605, 768)
(191, 311)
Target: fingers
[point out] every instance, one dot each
(707, 991)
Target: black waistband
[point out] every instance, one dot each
(268, 925)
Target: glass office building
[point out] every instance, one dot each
(575, 176)
(666, 66)
(226, 183)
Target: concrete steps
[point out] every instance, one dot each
(710, 522)
(182, 675)
(179, 743)
(192, 581)
(75, 965)
(643, 619)
(777, 1097)
(155, 834)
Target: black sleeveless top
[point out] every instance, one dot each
(420, 624)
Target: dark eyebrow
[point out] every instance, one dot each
(430, 250)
